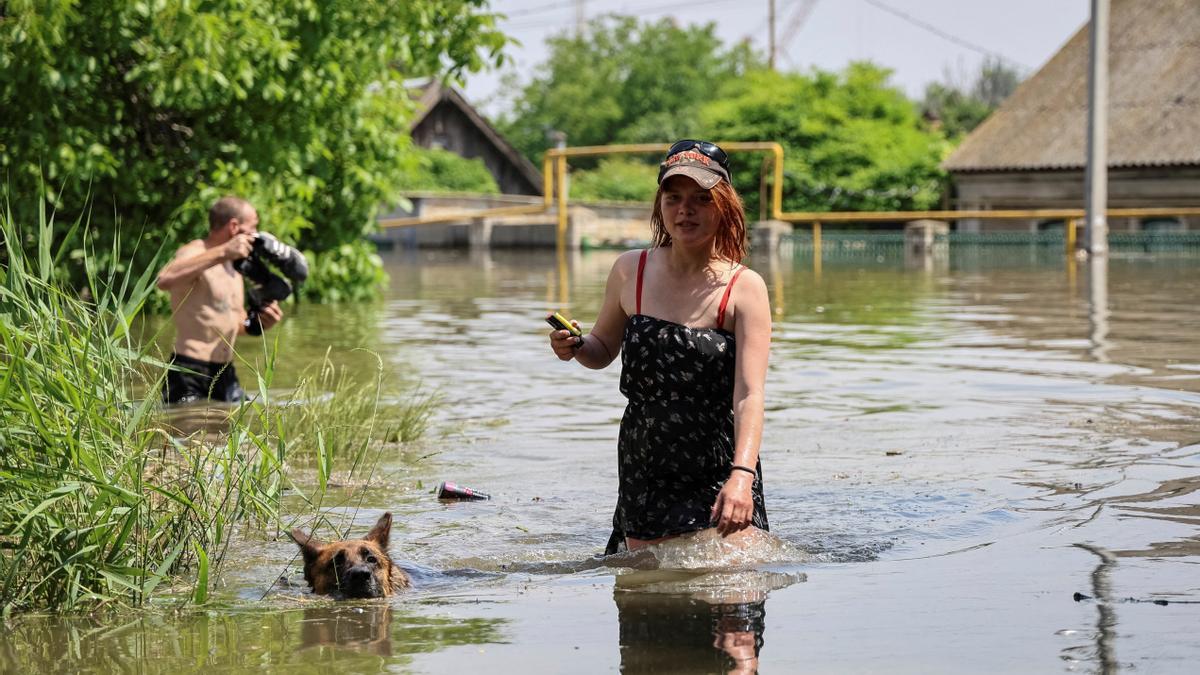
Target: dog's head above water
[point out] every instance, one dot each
(352, 568)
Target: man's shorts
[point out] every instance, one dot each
(191, 380)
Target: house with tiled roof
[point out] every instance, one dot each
(1032, 151)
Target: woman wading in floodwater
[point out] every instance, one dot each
(694, 327)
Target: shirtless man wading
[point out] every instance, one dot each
(207, 299)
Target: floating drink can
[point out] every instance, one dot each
(448, 490)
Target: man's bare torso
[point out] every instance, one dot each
(208, 312)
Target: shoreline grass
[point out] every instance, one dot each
(100, 502)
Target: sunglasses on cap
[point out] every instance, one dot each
(709, 150)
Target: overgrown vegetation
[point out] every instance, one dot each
(342, 421)
(297, 105)
(443, 171)
(617, 179)
(851, 141)
(622, 81)
(101, 500)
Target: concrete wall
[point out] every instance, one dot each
(597, 223)
(1127, 188)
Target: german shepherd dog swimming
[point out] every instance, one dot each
(352, 568)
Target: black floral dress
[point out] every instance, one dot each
(676, 440)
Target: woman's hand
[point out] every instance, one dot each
(734, 507)
(564, 344)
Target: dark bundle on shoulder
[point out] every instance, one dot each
(265, 285)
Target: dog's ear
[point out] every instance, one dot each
(309, 546)
(382, 530)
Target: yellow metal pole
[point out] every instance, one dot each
(762, 189)
(816, 237)
(561, 178)
(777, 283)
(1071, 274)
(548, 179)
(1069, 236)
(564, 292)
(777, 190)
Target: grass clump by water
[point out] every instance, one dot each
(98, 503)
(338, 422)
(101, 500)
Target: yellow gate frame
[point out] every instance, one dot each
(554, 175)
(555, 162)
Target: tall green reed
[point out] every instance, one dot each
(102, 499)
(99, 502)
(338, 421)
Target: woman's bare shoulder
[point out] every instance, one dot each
(626, 264)
(750, 281)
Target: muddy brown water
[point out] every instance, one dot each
(985, 464)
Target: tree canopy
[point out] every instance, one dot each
(852, 141)
(621, 81)
(959, 108)
(157, 107)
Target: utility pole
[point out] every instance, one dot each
(771, 34)
(579, 18)
(1096, 236)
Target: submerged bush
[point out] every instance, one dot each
(443, 171)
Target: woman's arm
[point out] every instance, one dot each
(752, 328)
(601, 346)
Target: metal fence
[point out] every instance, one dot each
(852, 245)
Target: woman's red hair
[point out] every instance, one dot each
(731, 237)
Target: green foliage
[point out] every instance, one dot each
(851, 141)
(622, 81)
(348, 272)
(616, 179)
(959, 109)
(297, 105)
(443, 171)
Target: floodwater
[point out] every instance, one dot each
(984, 464)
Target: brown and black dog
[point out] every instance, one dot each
(353, 568)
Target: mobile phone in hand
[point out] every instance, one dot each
(560, 322)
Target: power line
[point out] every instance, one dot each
(641, 11)
(539, 9)
(943, 34)
(795, 24)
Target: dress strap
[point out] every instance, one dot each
(725, 298)
(641, 268)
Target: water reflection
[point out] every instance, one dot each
(1106, 620)
(699, 632)
(1098, 313)
(211, 420)
(363, 629)
(320, 638)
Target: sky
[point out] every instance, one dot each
(922, 41)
